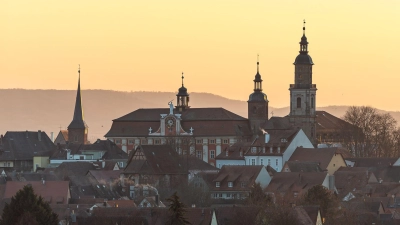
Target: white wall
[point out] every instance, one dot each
(263, 178)
(300, 139)
(222, 162)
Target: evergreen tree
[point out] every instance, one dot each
(257, 197)
(176, 211)
(27, 208)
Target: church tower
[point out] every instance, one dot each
(77, 129)
(257, 104)
(303, 92)
(182, 98)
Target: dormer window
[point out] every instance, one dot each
(217, 184)
(230, 184)
(242, 185)
(253, 149)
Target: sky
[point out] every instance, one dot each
(146, 45)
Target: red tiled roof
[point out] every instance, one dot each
(56, 192)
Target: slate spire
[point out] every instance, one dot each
(78, 120)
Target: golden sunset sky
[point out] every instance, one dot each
(141, 45)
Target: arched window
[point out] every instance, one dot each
(312, 102)
(298, 102)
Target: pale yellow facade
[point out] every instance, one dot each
(40, 161)
(337, 161)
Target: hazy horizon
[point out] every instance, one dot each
(145, 45)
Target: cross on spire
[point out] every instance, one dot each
(182, 79)
(191, 130)
(258, 62)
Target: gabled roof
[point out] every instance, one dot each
(24, 145)
(323, 156)
(105, 176)
(55, 192)
(236, 175)
(73, 169)
(234, 151)
(277, 123)
(194, 163)
(158, 159)
(64, 134)
(191, 114)
(285, 182)
(297, 166)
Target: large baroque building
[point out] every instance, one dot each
(206, 132)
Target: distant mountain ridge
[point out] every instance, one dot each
(48, 110)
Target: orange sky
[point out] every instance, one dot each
(144, 46)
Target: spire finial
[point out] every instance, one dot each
(182, 79)
(258, 62)
(304, 27)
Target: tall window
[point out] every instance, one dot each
(298, 102)
(199, 154)
(262, 162)
(253, 162)
(269, 161)
(312, 103)
(212, 154)
(276, 162)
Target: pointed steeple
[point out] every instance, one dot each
(78, 120)
(303, 57)
(182, 98)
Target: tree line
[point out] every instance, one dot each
(370, 133)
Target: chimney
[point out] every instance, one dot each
(39, 133)
(43, 181)
(279, 149)
(266, 137)
(52, 136)
(157, 200)
(103, 164)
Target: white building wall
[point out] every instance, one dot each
(300, 139)
(223, 162)
(263, 178)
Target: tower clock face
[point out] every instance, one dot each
(170, 122)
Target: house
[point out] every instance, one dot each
(101, 150)
(329, 159)
(330, 129)
(271, 149)
(54, 192)
(151, 201)
(20, 148)
(297, 166)
(157, 165)
(235, 182)
(354, 180)
(292, 185)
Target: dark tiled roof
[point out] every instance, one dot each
(159, 159)
(73, 169)
(191, 114)
(323, 156)
(286, 182)
(312, 211)
(234, 151)
(277, 123)
(236, 214)
(237, 175)
(55, 192)
(24, 145)
(372, 162)
(350, 181)
(104, 176)
(327, 122)
(296, 166)
(201, 128)
(194, 163)
(302, 216)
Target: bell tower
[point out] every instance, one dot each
(77, 129)
(182, 98)
(257, 105)
(303, 92)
